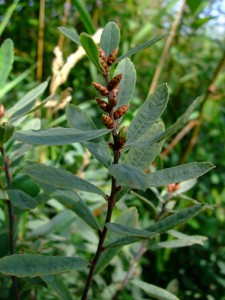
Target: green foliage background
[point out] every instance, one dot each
(197, 50)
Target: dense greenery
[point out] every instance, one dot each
(193, 66)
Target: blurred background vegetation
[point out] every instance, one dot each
(191, 60)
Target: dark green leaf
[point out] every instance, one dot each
(142, 157)
(57, 136)
(140, 48)
(110, 38)
(91, 50)
(71, 34)
(84, 16)
(6, 60)
(129, 218)
(100, 151)
(6, 131)
(178, 174)
(30, 265)
(148, 114)
(127, 83)
(21, 199)
(133, 177)
(73, 201)
(60, 179)
(58, 286)
(154, 291)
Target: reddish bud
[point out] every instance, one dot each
(101, 88)
(108, 121)
(112, 57)
(120, 111)
(104, 65)
(173, 187)
(2, 111)
(114, 82)
(102, 104)
(101, 53)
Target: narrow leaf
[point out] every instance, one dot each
(129, 218)
(73, 201)
(91, 50)
(71, 34)
(127, 84)
(168, 132)
(29, 98)
(142, 157)
(140, 48)
(148, 114)
(57, 136)
(6, 60)
(30, 265)
(110, 38)
(58, 286)
(133, 177)
(84, 16)
(7, 15)
(21, 199)
(154, 291)
(178, 174)
(60, 179)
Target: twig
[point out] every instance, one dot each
(40, 40)
(11, 218)
(195, 135)
(166, 48)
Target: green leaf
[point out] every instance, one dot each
(128, 217)
(57, 136)
(154, 291)
(6, 60)
(91, 50)
(128, 231)
(7, 15)
(29, 99)
(142, 157)
(168, 132)
(131, 176)
(148, 114)
(21, 199)
(178, 174)
(79, 119)
(162, 226)
(6, 131)
(71, 34)
(60, 179)
(30, 265)
(58, 223)
(176, 219)
(140, 48)
(10, 85)
(110, 38)
(73, 201)
(84, 16)
(58, 286)
(127, 83)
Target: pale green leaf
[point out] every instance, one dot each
(57, 136)
(131, 176)
(110, 38)
(91, 50)
(71, 34)
(168, 132)
(178, 174)
(148, 114)
(154, 291)
(21, 199)
(58, 286)
(100, 151)
(140, 48)
(60, 179)
(127, 83)
(73, 201)
(142, 157)
(29, 99)
(129, 218)
(30, 265)
(6, 17)
(6, 60)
